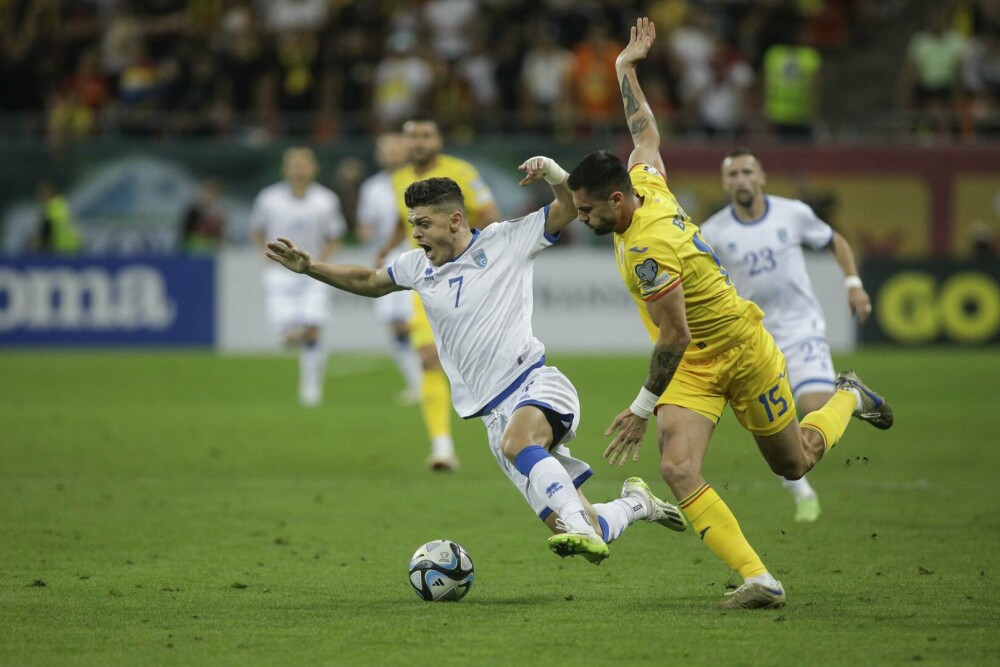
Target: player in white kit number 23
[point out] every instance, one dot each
(476, 287)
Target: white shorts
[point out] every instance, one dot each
(394, 307)
(810, 368)
(297, 304)
(547, 388)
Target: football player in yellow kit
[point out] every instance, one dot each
(709, 345)
(424, 144)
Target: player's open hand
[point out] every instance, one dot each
(631, 429)
(536, 168)
(288, 255)
(640, 40)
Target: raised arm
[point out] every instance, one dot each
(562, 211)
(638, 114)
(355, 279)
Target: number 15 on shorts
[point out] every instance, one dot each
(775, 405)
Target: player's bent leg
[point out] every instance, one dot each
(525, 442)
(810, 399)
(872, 407)
(683, 438)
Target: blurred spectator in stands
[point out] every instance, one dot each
(297, 60)
(929, 86)
(349, 64)
(121, 42)
(293, 15)
(982, 80)
(478, 70)
(56, 231)
(163, 24)
(140, 85)
(192, 96)
(204, 223)
(77, 103)
(21, 49)
(691, 45)
(721, 95)
(792, 73)
(404, 81)
(545, 77)
(450, 23)
(593, 84)
(245, 63)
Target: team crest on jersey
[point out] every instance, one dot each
(783, 235)
(479, 257)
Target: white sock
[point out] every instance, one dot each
(800, 488)
(549, 480)
(764, 579)
(619, 514)
(857, 398)
(408, 362)
(312, 365)
(442, 445)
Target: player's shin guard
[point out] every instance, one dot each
(549, 480)
(832, 419)
(718, 529)
(435, 404)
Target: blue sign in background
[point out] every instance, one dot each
(112, 301)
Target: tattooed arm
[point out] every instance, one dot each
(669, 314)
(638, 114)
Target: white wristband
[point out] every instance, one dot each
(644, 403)
(555, 174)
(850, 282)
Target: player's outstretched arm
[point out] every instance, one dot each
(355, 279)
(669, 314)
(638, 114)
(562, 211)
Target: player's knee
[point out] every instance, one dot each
(790, 470)
(678, 471)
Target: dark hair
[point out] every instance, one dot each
(434, 192)
(601, 173)
(740, 151)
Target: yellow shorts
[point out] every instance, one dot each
(750, 376)
(420, 327)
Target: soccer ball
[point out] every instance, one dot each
(441, 570)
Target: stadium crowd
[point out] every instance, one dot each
(326, 68)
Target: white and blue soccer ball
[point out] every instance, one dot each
(441, 570)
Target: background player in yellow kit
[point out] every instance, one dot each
(710, 346)
(424, 144)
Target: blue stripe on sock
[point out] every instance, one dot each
(528, 457)
(604, 527)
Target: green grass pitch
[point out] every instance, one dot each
(182, 509)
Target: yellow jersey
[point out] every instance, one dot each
(662, 249)
(478, 195)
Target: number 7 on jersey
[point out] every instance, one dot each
(458, 280)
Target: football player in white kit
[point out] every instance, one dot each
(298, 208)
(378, 219)
(476, 287)
(759, 239)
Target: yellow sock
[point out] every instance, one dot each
(435, 403)
(718, 528)
(831, 420)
